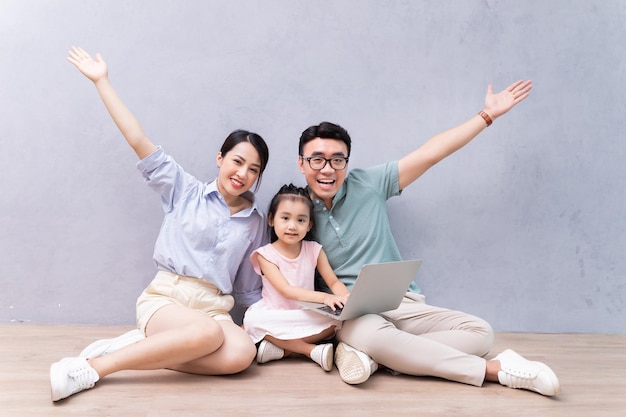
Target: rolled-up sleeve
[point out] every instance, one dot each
(166, 177)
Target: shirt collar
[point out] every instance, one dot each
(340, 195)
(211, 188)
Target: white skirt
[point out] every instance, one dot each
(261, 320)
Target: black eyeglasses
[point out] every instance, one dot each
(318, 163)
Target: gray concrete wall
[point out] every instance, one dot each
(524, 227)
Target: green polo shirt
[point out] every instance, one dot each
(356, 230)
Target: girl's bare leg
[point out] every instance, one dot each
(302, 346)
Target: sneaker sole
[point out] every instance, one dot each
(351, 368)
(327, 358)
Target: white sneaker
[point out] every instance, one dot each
(518, 372)
(69, 376)
(323, 356)
(354, 367)
(105, 346)
(268, 352)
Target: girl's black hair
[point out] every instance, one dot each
(293, 193)
(238, 136)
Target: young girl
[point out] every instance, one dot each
(287, 267)
(201, 254)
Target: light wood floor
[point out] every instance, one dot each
(591, 369)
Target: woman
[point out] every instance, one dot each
(202, 252)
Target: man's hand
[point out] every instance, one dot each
(498, 104)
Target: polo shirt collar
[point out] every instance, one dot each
(338, 197)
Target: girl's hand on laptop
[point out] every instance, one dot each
(334, 301)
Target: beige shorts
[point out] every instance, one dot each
(194, 293)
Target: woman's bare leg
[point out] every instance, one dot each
(182, 339)
(233, 356)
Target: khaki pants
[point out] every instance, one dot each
(418, 339)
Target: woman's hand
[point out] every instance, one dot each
(92, 69)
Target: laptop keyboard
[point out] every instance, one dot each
(330, 310)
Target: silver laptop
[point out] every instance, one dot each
(379, 287)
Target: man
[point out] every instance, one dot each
(352, 224)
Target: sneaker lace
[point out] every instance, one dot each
(82, 379)
(518, 378)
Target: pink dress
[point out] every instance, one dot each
(279, 316)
